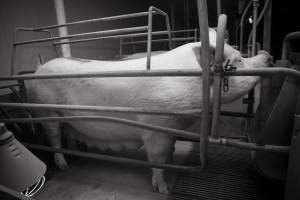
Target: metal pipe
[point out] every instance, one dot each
(9, 86)
(62, 31)
(149, 38)
(113, 37)
(160, 40)
(131, 123)
(106, 109)
(267, 3)
(104, 19)
(218, 69)
(106, 32)
(250, 146)
(254, 27)
(113, 159)
(219, 8)
(180, 133)
(287, 44)
(266, 71)
(132, 73)
(205, 62)
(242, 24)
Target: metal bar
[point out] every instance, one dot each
(132, 73)
(254, 27)
(113, 37)
(106, 32)
(113, 159)
(132, 123)
(149, 38)
(180, 133)
(250, 146)
(104, 19)
(219, 7)
(242, 25)
(236, 114)
(9, 86)
(204, 37)
(157, 73)
(158, 11)
(132, 110)
(169, 31)
(219, 58)
(62, 31)
(160, 40)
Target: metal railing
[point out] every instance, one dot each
(100, 35)
(192, 36)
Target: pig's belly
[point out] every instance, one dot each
(108, 136)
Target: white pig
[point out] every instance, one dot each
(173, 93)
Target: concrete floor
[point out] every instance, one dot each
(88, 179)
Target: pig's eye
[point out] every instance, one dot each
(239, 60)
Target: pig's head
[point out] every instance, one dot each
(241, 85)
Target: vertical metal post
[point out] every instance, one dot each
(204, 51)
(169, 32)
(63, 31)
(149, 38)
(219, 7)
(254, 27)
(121, 48)
(219, 57)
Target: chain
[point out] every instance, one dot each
(227, 68)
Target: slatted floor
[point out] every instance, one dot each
(230, 175)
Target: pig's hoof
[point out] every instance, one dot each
(60, 162)
(160, 187)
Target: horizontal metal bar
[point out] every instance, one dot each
(165, 130)
(160, 40)
(104, 19)
(249, 146)
(99, 33)
(11, 85)
(155, 129)
(194, 112)
(265, 71)
(236, 114)
(112, 37)
(132, 73)
(158, 11)
(113, 159)
(184, 31)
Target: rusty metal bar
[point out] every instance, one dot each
(218, 74)
(113, 159)
(204, 37)
(106, 109)
(113, 37)
(106, 32)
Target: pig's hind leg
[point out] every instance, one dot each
(53, 132)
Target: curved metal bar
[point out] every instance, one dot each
(106, 109)
(287, 43)
(132, 123)
(219, 58)
(242, 24)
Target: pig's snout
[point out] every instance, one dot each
(266, 57)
